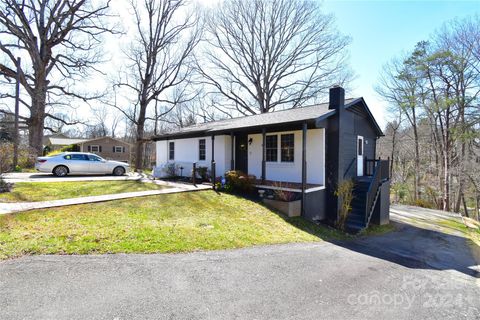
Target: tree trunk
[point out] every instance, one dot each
(37, 119)
(477, 206)
(465, 206)
(140, 137)
(417, 164)
(394, 137)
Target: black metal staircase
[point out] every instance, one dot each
(365, 195)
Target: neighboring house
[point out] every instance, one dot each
(310, 150)
(57, 142)
(106, 147)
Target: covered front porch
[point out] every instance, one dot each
(277, 154)
(290, 158)
(287, 186)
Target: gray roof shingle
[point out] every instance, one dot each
(265, 119)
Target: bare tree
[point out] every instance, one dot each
(402, 85)
(166, 35)
(265, 54)
(437, 90)
(58, 41)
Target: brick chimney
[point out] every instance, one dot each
(337, 98)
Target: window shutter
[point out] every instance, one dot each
(89, 149)
(113, 148)
(123, 149)
(100, 149)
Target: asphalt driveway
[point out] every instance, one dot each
(360, 279)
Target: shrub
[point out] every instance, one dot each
(4, 186)
(26, 156)
(345, 193)
(238, 181)
(423, 203)
(401, 191)
(203, 173)
(53, 153)
(69, 148)
(283, 195)
(171, 170)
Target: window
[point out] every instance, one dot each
(360, 147)
(287, 143)
(202, 151)
(94, 148)
(171, 151)
(118, 149)
(82, 157)
(271, 148)
(92, 157)
(76, 157)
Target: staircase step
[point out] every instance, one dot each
(358, 204)
(361, 189)
(356, 221)
(354, 228)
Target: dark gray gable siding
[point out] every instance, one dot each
(353, 122)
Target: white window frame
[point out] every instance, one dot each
(121, 149)
(276, 137)
(279, 148)
(169, 151)
(95, 146)
(205, 140)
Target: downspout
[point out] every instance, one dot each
(213, 163)
(232, 154)
(264, 151)
(304, 166)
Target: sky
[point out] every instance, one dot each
(382, 30)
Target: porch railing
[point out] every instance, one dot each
(380, 173)
(371, 165)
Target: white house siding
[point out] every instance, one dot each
(291, 171)
(187, 152)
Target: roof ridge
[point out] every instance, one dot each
(260, 114)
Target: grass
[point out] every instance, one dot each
(473, 235)
(42, 191)
(374, 230)
(180, 222)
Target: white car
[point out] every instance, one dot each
(66, 163)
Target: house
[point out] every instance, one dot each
(310, 150)
(58, 141)
(106, 147)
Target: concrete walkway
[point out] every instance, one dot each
(172, 187)
(13, 177)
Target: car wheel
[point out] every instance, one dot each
(119, 171)
(60, 171)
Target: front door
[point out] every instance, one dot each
(360, 156)
(241, 152)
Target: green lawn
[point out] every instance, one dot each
(41, 191)
(180, 222)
